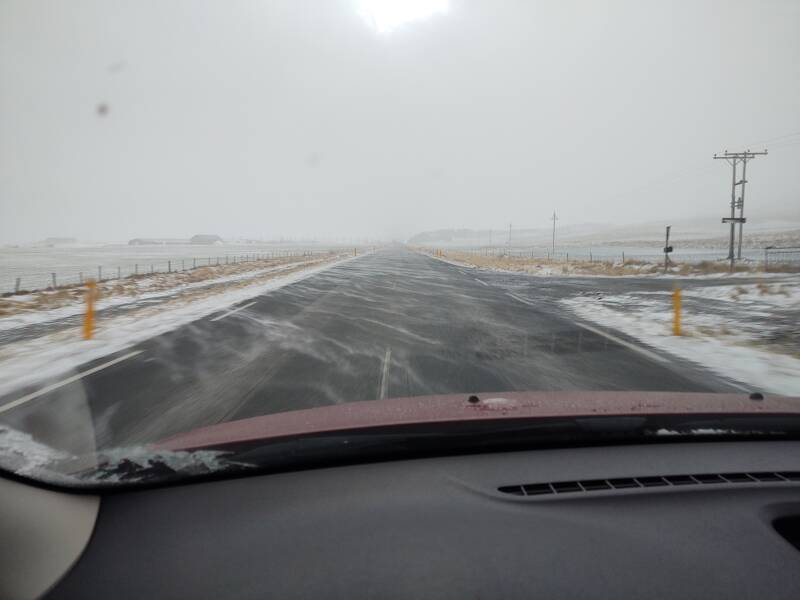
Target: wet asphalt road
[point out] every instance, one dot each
(388, 324)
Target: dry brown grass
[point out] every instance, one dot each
(534, 265)
(584, 267)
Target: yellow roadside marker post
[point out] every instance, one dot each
(88, 321)
(676, 307)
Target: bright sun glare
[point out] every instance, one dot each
(386, 15)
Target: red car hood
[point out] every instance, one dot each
(456, 407)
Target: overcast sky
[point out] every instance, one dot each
(334, 118)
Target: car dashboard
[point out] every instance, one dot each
(658, 520)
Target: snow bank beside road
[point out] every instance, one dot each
(747, 333)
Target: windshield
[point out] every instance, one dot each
(215, 215)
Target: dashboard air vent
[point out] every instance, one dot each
(597, 485)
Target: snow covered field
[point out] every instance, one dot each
(749, 333)
(34, 265)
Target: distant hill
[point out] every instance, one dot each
(156, 242)
(207, 239)
(704, 233)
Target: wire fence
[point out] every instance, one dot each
(776, 256)
(772, 257)
(43, 279)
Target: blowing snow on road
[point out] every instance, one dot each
(390, 323)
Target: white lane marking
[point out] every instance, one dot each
(387, 360)
(515, 297)
(613, 338)
(621, 342)
(482, 281)
(230, 312)
(66, 381)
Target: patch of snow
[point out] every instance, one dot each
(700, 431)
(130, 464)
(21, 454)
(733, 355)
(782, 294)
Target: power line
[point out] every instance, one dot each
(701, 170)
(767, 141)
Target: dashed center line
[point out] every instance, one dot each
(387, 361)
(66, 381)
(518, 299)
(230, 312)
(482, 281)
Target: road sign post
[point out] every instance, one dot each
(667, 249)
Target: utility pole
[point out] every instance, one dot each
(740, 206)
(733, 159)
(555, 218)
(509, 234)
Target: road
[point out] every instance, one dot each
(388, 324)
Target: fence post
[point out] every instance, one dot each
(80, 278)
(194, 263)
(119, 273)
(183, 265)
(99, 273)
(54, 280)
(623, 259)
(151, 268)
(766, 260)
(169, 266)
